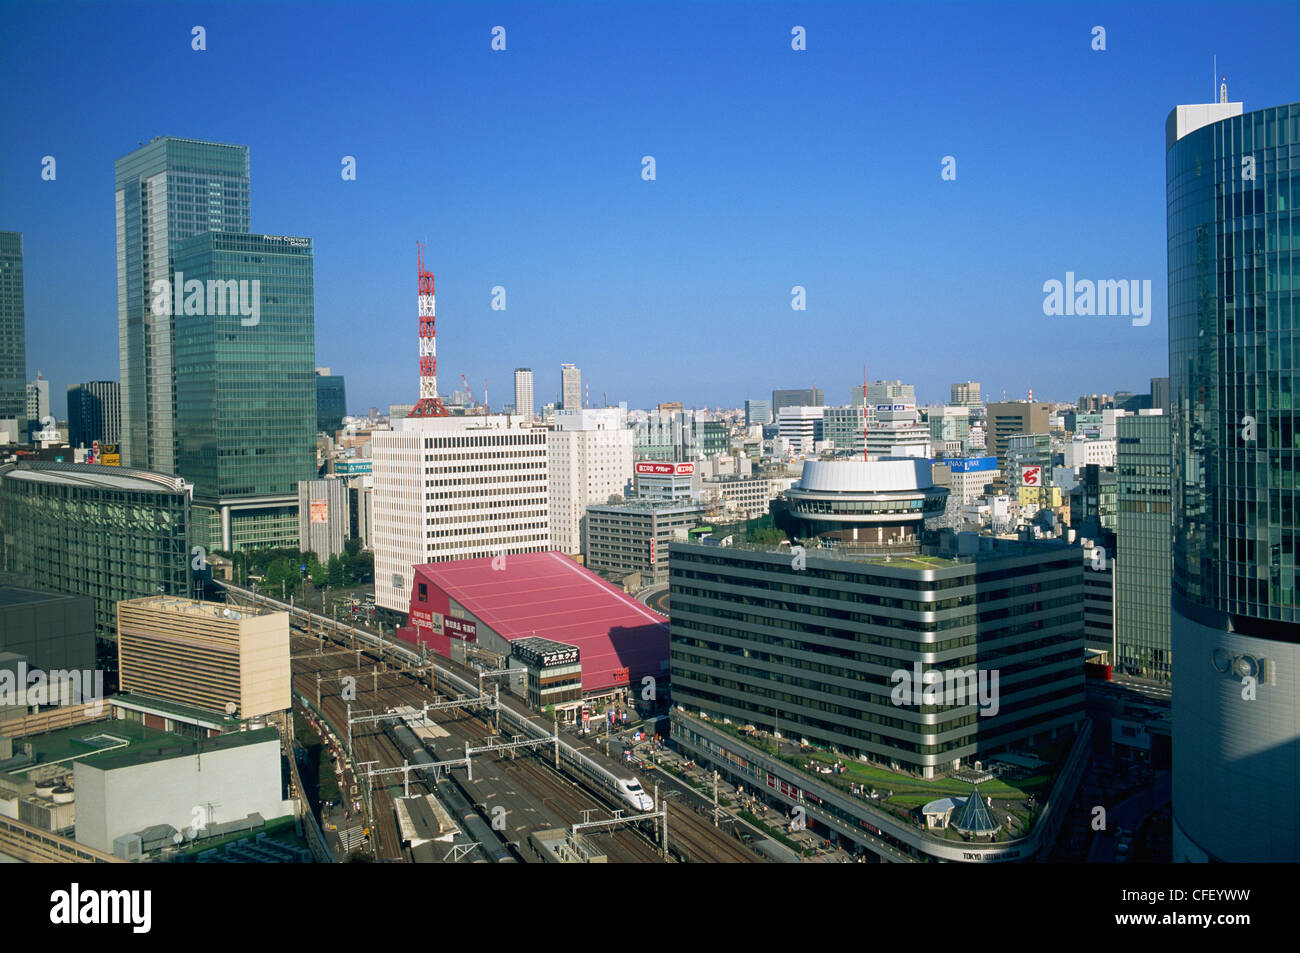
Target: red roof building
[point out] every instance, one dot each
(495, 600)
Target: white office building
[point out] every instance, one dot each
(846, 427)
(898, 432)
(802, 427)
(524, 391)
(570, 387)
(1081, 453)
(590, 460)
(455, 488)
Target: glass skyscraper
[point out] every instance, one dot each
(331, 401)
(246, 387)
(166, 191)
(13, 334)
(1143, 528)
(1233, 183)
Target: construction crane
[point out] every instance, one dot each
(468, 392)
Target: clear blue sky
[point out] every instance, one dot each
(523, 169)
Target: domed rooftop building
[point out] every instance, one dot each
(858, 503)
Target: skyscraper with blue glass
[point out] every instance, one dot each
(245, 384)
(1234, 334)
(166, 191)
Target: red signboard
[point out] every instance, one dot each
(1031, 476)
(461, 629)
(652, 551)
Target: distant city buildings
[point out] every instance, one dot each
(811, 397)
(884, 392)
(801, 427)
(966, 394)
(758, 412)
(1007, 420)
(94, 413)
(38, 404)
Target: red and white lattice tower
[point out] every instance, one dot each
(429, 404)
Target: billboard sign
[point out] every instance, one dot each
(320, 511)
(461, 628)
(1031, 476)
(973, 464)
(666, 469)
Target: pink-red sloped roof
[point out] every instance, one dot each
(550, 596)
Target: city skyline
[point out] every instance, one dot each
(588, 254)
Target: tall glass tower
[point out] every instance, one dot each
(246, 386)
(13, 334)
(1234, 327)
(167, 191)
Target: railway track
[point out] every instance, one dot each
(691, 837)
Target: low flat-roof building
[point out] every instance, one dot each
(205, 654)
(490, 604)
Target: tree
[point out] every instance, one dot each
(319, 574)
(335, 571)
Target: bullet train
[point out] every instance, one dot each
(631, 792)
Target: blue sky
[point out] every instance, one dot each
(522, 169)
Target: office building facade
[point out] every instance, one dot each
(110, 533)
(1007, 420)
(811, 650)
(94, 413)
(455, 488)
(38, 404)
(633, 537)
(589, 459)
(246, 388)
(1235, 457)
(324, 517)
(758, 412)
(166, 191)
(1143, 528)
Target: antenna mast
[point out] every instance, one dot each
(429, 405)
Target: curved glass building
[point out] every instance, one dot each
(1234, 365)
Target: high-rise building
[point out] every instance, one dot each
(331, 401)
(166, 191)
(524, 405)
(1160, 394)
(811, 397)
(846, 426)
(246, 388)
(897, 431)
(758, 412)
(13, 337)
(966, 394)
(1143, 533)
(324, 517)
(1235, 455)
(589, 455)
(1007, 420)
(570, 387)
(38, 403)
(94, 413)
(455, 488)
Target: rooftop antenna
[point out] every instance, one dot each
(1223, 90)
(1215, 73)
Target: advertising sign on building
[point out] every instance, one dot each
(461, 628)
(1031, 476)
(320, 511)
(666, 469)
